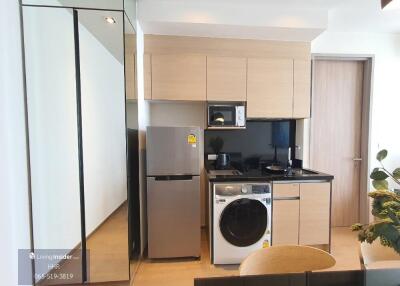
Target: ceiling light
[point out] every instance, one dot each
(110, 20)
(390, 4)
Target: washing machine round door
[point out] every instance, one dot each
(243, 222)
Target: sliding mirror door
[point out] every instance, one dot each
(101, 50)
(53, 138)
(75, 82)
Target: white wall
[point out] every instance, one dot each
(14, 212)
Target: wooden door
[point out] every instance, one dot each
(269, 88)
(226, 78)
(314, 213)
(178, 77)
(336, 133)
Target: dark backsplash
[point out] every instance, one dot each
(254, 145)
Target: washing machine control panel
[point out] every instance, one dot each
(235, 189)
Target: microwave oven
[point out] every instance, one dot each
(226, 115)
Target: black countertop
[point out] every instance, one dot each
(258, 175)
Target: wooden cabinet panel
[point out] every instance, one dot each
(269, 88)
(226, 78)
(178, 77)
(314, 213)
(130, 66)
(286, 190)
(302, 89)
(147, 75)
(285, 222)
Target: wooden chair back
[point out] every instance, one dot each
(286, 259)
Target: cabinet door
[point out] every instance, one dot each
(269, 88)
(147, 75)
(286, 190)
(178, 77)
(285, 222)
(302, 89)
(314, 213)
(226, 79)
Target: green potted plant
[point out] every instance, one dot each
(385, 208)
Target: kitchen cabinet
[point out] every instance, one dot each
(301, 213)
(226, 78)
(130, 66)
(314, 213)
(178, 77)
(301, 89)
(269, 88)
(285, 222)
(147, 75)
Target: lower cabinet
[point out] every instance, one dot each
(301, 213)
(285, 222)
(314, 225)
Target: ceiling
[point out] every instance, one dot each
(292, 20)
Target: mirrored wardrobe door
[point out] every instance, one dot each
(101, 52)
(133, 145)
(53, 138)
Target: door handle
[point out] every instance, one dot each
(357, 159)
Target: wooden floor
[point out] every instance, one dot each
(345, 248)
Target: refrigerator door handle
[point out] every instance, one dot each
(174, 178)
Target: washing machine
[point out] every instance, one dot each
(240, 220)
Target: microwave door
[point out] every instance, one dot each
(222, 116)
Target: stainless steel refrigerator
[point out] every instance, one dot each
(173, 191)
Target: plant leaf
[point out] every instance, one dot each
(381, 155)
(396, 173)
(378, 175)
(380, 184)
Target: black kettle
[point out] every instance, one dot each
(223, 161)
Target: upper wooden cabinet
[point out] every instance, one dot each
(130, 66)
(302, 89)
(147, 75)
(314, 213)
(178, 77)
(269, 88)
(226, 78)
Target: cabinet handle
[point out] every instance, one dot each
(286, 198)
(357, 159)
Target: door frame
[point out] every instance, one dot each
(366, 115)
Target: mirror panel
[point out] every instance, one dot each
(104, 144)
(130, 10)
(133, 145)
(95, 4)
(53, 135)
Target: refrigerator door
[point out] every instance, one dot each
(173, 151)
(173, 212)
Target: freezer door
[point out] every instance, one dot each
(173, 151)
(173, 212)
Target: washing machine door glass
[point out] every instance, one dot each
(243, 222)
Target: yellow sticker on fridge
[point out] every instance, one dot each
(191, 139)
